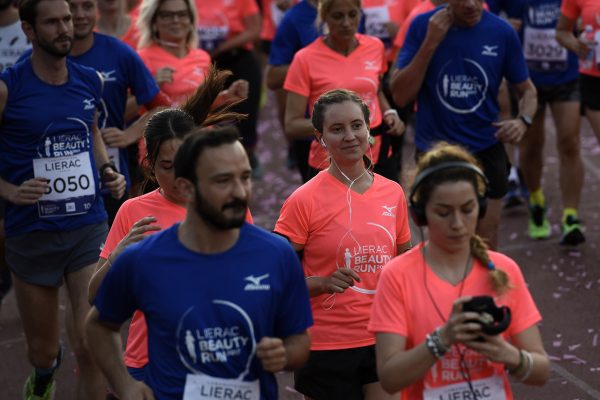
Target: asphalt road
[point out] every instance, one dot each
(565, 283)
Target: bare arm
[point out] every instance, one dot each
(287, 354)
(276, 76)
(337, 282)
(512, 130)
(395, 126)
(137, 233)
(111, 179)
(297, 126)
(29, 191)
(566, 37)
(406, 83)
(106, 353)
(403, 247)
(250, 33)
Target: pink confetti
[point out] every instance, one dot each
(574, 253)
(553, 358)
(556, 295)
(556, 343)
(574, 347)
(513, 236)
(595, 340)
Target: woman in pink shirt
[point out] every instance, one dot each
(428, 346)
(587, 47)
(342, 58)
(162, 207)
(347, 222)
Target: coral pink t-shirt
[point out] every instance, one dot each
(420, 8)
(271, 17)
(219, 20)
(403, 306)
(589, 11)
(132, 35)
(317, 69)
(317, 216)
(166, 214)
(189, 70)
(378, 13)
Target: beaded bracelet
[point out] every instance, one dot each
(435, 345)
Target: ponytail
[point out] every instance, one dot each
(498, 278)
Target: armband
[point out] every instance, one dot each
(391, 111)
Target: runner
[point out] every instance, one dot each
(427, 345)
(554, 71)
(347, 223)
(340, 59)
(227, 30)
(453, 60)
(13, 43)
(588, 50)
(241, 310)
(114, 20)
(52, 163)
(160, 208)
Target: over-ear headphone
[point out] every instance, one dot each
(417, 209)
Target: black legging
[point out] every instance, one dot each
(244, 65)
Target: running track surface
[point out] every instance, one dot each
(565, 283)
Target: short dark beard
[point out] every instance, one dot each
(54, 51)
(217, 218)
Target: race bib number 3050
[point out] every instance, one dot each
(71, 180)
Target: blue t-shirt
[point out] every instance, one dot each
(122, 70)
(206, 312)
(457, 102)
(550, 64)
(46, 131)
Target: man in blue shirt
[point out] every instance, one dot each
(453, 61)
(52, 163)
(225, 302)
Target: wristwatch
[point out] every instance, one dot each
(526, 120)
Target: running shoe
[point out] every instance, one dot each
(571, 232)
(42, 388)
(539, 226)
(513, 197)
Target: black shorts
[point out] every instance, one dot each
(558, 94)
(43, 258)
(337, 374)
(590, 92)
(496, 168)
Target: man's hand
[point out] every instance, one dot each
(114, 137)
(271, 352)
(510, 131)
(340, 280)
(114, 182)
(28, 192)
(439, 24)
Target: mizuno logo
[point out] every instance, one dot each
(371, 65)
(389, 211)
(108, 76)
(490, 50)
(255, 282)
(88, 104)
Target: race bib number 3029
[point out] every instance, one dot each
(71, 185)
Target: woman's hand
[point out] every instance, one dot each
(136, 233)
(496, 349)
(395, 125)
(238, 90)
(164, 75)
(460, 327)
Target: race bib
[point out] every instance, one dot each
(204, 387)
(376, 19)
(113, 156)
(71, 179)
(542, 52)
(486, 389)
